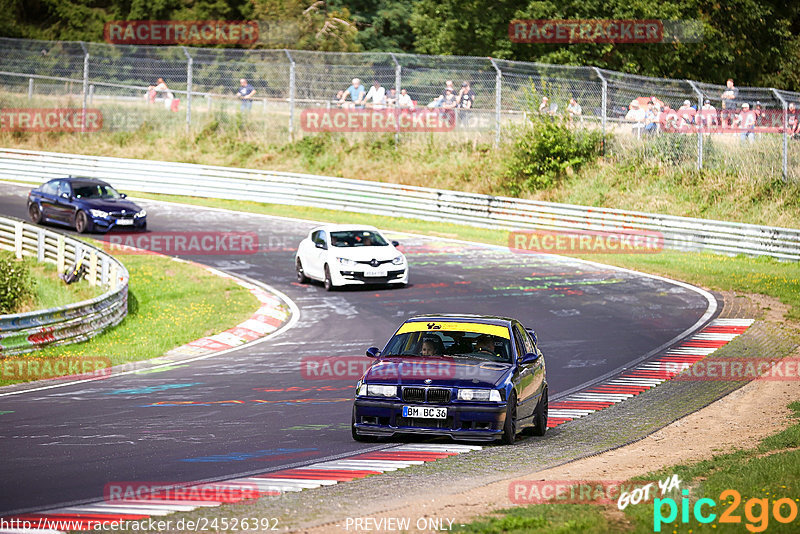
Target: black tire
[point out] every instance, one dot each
(328, 282)
(510, 426)
(82, 223)
(358, 437)
(35, 213)
(540, 415)
(301, 274)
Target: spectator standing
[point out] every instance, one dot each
(729, 97)
(245, 94)
(391, 98)
(466, 99)
(404, 100)
(544, 107)
(687, 112)
(746, 122)
(574, 110)
(377, 94)
(356, 93)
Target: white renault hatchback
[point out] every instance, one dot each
(339, 255)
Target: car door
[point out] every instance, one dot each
(47, 195)
(529, 375)
(63, 209)
(317, 254)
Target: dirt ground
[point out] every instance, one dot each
(739, 420)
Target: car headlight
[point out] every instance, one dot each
(98, 213)
(142, 213)
(491, 395)
(378, 390)
(347, 262)
(398, 260)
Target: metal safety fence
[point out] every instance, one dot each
(26, 332)
(679, 233)
(202, 85)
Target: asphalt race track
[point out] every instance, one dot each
(63, 445)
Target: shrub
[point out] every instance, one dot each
(16, 283)
(543, 151)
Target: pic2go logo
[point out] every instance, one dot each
(756, 511)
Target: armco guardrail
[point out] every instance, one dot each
(681, 233)
(26, 332)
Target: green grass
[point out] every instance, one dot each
(170, 303)
(543, 519)
(771, 471)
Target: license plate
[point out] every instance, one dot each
(124, 222)
(424, 413)
(375, 273)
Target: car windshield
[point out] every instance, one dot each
(357, 238)
(453, 343)
(89, 190)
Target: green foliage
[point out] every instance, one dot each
(16, 283)
(545, 150)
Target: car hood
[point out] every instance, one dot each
(441, 371)
(365, 253)
(107, 204)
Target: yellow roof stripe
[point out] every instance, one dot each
(478, 328)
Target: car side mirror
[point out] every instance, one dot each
(373, 352)
(529, 358)
(321, 245)
(65, 196)
(395, 243)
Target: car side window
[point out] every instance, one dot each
(63, 187)
(527, 341)
(518, 342)
(50, 188)
(319, 238)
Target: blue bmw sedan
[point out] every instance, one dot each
(464, 376)
(86, 204)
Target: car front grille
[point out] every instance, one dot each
(119, 215)
(414, 394)
(432, 395)
(369, 262)
(439, 396)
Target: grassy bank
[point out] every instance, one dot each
(170, 303)
(743, 183)
(767, 473)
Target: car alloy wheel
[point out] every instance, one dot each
(81, 222)
(35, 213)
(328, 281)
(510, 426)
(301, 274)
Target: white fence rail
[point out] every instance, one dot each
(680, 233)
(26, 332)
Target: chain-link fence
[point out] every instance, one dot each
(122, 81)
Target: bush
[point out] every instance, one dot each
(16, 283)
(544, 151)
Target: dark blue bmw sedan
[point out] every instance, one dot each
(86, 204)
(464, 376)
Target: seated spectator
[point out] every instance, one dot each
(574, 109)
(404, 100)
(356, 93)
(391, 98)
(544, 107)
(651, 118)
(708, 115)
(450, 101)
(151, 94)
(636, 115)
(658, 104)
(338, 98)
(745, 121)
(793, 121)
(162, 90)
(377, 94)
(687, 112)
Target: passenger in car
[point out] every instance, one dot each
(432, 346)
